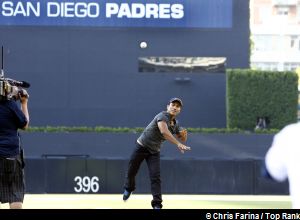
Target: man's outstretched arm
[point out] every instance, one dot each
(163, 127)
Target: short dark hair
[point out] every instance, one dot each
(176, 100)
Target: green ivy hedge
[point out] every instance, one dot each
(101, 129)
(252, 94)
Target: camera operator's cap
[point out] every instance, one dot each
(176, 100)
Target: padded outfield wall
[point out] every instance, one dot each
(84, 73)
(97, 163)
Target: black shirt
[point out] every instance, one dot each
(11, 119)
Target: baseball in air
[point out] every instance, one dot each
(143, 45)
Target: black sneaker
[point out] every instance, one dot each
(126, 195)
(156, 207)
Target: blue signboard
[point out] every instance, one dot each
(118, 13)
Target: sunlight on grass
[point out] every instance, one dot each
(138, 201)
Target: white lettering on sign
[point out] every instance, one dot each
(25, 9)
(72, 9)
(86, 184)
(138, 10)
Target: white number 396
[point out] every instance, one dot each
(86, 184)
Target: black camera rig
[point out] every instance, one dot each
(10, 88)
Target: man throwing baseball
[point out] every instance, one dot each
(161, 128)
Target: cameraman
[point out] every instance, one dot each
(12, 118)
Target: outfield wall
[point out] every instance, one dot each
(193, 176)
(97, 163)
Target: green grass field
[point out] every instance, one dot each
(138, 201)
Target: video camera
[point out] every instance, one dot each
(10, 88)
